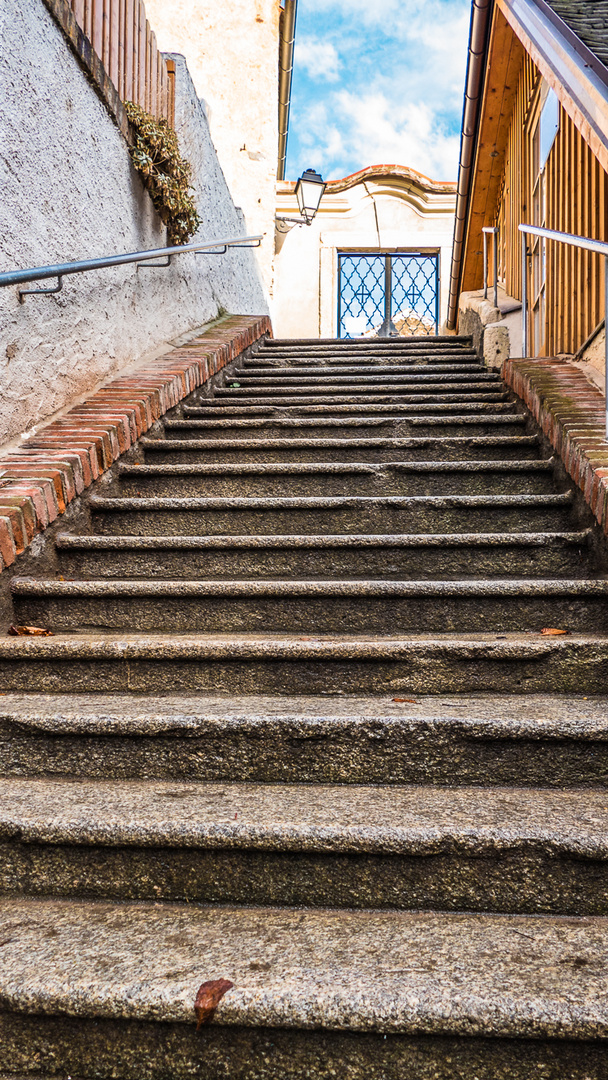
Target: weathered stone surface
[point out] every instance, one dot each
(515, 849)
(339, 765)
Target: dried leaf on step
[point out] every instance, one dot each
(29, 631)
(208, 998)
(552, 631)
(406, 700)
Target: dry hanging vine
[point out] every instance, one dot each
(166, 175)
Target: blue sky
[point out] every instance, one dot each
(378, 82)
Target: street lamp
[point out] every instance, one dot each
(309, 190)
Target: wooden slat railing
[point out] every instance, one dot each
(126, 45)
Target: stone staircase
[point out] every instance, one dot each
(298, 727)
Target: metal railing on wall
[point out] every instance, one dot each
(126, 45)
(599, 246)
(142, 258)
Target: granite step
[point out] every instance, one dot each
(271, 423)
(253, 373)
(367, 449)
(364, 994)
(431, 341)
(330, 606)
(427, 396)
(363, 348)
(464, 382)
(350, 421)
(262, 663)
(492, 555)
(331, 406)
(410, 397)
(527, 740)
(259, 479)
(301, 515)
(498, 849)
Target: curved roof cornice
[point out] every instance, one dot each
(396, 173)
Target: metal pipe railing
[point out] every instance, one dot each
(60, 270)
(494, 231)
(599, 246)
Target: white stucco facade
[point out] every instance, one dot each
(232, 49)
(380, 209)
(69, 192)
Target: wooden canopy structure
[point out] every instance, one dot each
(534, 151)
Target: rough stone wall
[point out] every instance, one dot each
(231, 49)
(69, 192)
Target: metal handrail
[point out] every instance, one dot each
(494, 231)
(585, 242)
(82, 266)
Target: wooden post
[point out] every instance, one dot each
(78, 9)
(171, 92)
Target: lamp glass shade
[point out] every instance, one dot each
(309, 190)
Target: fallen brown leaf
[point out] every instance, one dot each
(29, 631)
(406, 700)
(552, 631)
(208, 998)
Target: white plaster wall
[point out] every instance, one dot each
(370, 216)
(70, 192)
(231, 48)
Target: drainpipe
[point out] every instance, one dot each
(287, 37)
(478, 40)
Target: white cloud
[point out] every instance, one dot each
(396, 74)
(318, 58)
(368, 129)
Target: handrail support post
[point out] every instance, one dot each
(495, 251)
(524, 294)
(606, 338)
(41, 292)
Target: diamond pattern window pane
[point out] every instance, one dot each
(414, 293)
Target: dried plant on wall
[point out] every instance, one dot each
(168, 178)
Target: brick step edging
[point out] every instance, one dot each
(42, 476)
(571, 413)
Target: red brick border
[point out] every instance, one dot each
(571, 412)
(46, 472)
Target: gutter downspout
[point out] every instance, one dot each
(287, 36)
(478, 42)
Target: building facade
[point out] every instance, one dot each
(384, 219)
(534, 152)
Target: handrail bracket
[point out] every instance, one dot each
(41, 292)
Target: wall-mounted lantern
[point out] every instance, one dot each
(309, 192)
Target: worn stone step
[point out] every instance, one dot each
(331, 407)
(432, 401)
(338, 478)
(387, 514)
(368, 994)
(493, 555)
(330, 606)
(355, 348)
(512, 739)
(252, 372)
(429, 397)
(351, 423)
(517, 850)
(430, 341)
(464, 383)
(372, 450)
(297, 664)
